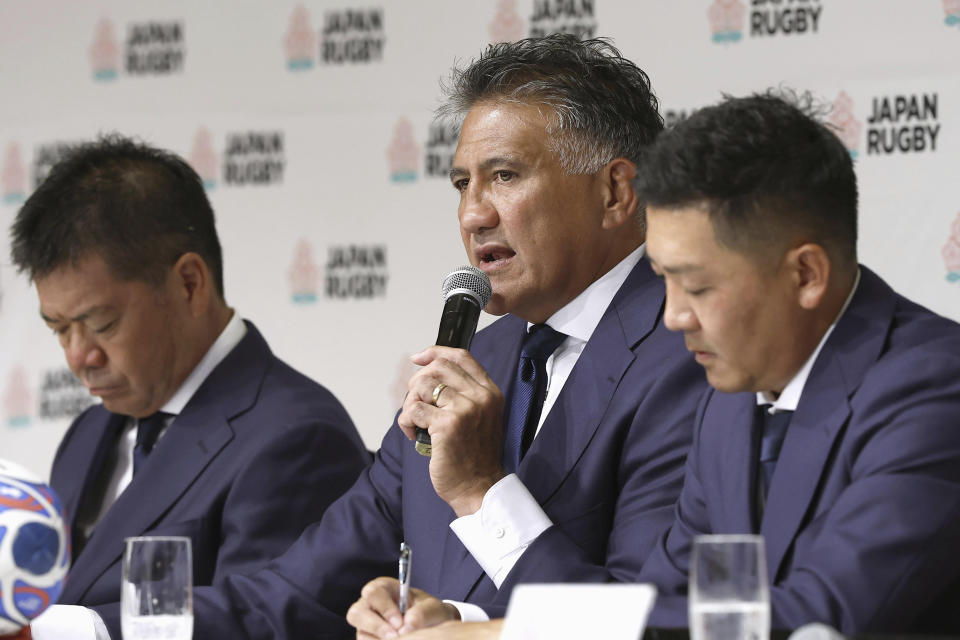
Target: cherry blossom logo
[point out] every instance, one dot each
(403, 154)
(105, 52)
(17, 398)
(300, 43)
(507, 25)
(952, 9)
(726, 20)
(951, 252)
(304, 274)
(203, 158)
(845, 125)
(13, 177)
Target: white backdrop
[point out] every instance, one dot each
(311, 123)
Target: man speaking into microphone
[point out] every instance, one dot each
(558, 441)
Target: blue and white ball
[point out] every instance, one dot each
(34, 547)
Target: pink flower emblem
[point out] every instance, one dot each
(202, 158)
(404, 153)
(846, 126)
(507, 25)
(17, 399)
(303, 273)
(951, 256)
(300, 42)
(104, 52)
(13, 179)
(726, 15)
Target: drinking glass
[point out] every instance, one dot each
(156, 597)
(728, 597)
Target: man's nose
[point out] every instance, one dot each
(476, 211)
(82, 351)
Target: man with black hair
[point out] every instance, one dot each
(202, 431)
(559, 439)
(833, 427)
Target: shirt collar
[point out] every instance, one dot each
(789, 398)
(579, 317)
(224, 344)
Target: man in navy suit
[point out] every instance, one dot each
(202, 431)
(833, 429)
(552, 131)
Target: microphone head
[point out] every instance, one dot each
(470, 281)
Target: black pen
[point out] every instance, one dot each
(404, 576)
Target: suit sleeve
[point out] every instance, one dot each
(285, 487)
(649, 477)
(305, 592)
(666, 567)
(885, 549)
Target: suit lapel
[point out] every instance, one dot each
(733, 460)
(822, 413)
(193, 439)
(90, 453)
(813, 429)
(578, 411)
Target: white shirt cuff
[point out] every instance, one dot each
(496, 536)
(68, 622)
(469, 612)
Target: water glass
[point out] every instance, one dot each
(729, 597)
(156, 597)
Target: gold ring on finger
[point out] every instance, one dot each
(437, 390)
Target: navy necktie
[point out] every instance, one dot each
(148, 429)
(528, 392)
(774, 431)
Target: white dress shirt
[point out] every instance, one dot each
(71, 622)
(509, 518)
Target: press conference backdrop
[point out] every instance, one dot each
(311, 124)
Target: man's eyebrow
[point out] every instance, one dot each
(508, 161)
(92, 311)
(679, 269)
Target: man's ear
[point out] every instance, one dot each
(193, 282)
(620, 202)
(810, 270)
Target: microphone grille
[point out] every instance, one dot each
(468, 280)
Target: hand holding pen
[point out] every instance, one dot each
(390, 607)
(404, 577)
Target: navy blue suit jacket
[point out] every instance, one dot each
(256, 455)
(606, 467)
(862, 521)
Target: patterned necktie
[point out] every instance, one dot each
(148, 429)
(774, 431)
(528, 392)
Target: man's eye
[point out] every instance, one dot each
(506, 176)
(697, 292)
(105, 327)
(460, 185)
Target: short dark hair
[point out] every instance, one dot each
(603, 104)
(137, 207)
(765, 168)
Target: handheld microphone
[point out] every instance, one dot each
(466, 291)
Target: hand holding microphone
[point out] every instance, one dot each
(466, 291)
(453, 406)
